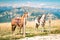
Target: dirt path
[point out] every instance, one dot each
(49, 37)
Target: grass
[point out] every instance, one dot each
(55, 32)
(7, 38)
(30, 32)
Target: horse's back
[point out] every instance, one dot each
(17, 21)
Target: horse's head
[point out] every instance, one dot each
(26, 14)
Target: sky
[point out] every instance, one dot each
(36, 1)
(32, 3)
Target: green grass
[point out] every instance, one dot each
(55, 32)
(4, 38)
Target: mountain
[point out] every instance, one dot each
(7, 13)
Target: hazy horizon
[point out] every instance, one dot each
(31, 3)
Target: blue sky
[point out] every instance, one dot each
(36, 1)
(30, 2)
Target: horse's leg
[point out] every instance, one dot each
(20, 31)
(43, 28)
(13, 28)
(37, 26)
(19, 28)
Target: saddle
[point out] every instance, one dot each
(17, 20)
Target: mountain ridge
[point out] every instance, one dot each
(7, 13)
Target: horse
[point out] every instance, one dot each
(19, 22)
(40, 21)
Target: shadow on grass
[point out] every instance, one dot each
(15, 37)
(55, 31)
(7, 38)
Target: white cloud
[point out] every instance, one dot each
(5, 4)
(31, 4)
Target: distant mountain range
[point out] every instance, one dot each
(7, 13)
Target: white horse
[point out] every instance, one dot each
(40, 21)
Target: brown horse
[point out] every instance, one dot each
(18, 22)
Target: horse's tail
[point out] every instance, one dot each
(13, 28)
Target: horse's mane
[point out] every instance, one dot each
(39, 17)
